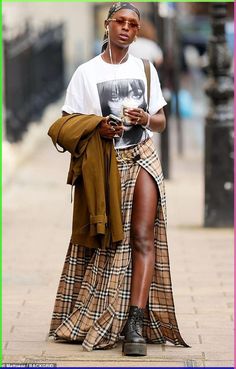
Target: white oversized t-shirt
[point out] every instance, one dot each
(101, 88)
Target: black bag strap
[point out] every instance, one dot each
(147, 70)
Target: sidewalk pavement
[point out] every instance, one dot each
(36, 231)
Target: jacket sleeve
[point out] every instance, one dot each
(69, 130)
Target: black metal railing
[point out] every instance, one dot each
(33, 76)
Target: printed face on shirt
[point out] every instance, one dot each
(113, 94)
(133, 90)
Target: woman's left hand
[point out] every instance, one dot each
(156, 122)
(137, 116)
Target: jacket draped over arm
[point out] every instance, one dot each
(97, 219)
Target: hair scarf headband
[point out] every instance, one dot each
(113, 9)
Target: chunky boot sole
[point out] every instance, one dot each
(134, 349)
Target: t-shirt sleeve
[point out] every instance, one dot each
(74, 101)
(157, 100)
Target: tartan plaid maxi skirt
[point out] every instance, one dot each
(92, 301)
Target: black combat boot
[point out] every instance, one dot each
(134, 343)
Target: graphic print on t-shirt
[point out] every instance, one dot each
(112, 95)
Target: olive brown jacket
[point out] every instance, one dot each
(97, 220)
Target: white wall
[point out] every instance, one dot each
(77, 17)
(78, 20)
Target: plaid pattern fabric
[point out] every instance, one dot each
(92, 301)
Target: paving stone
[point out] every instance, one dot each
(213, 318)
(215, 346)
(228, 339)
(26, 334)
(194, 363)
(25, 348)
(216, 355)
(219, 363)
(13, 359)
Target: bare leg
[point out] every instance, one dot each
(142, 237)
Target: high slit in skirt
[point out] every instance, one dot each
(92, 301)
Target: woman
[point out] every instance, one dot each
(126, 288)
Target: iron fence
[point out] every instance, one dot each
(34, 76)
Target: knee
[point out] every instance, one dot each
(142, 241)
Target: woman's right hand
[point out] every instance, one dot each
(108, 131)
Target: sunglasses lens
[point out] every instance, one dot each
(122, 23)
(133, 25)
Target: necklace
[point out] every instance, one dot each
(116, 64)
(110, 54)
